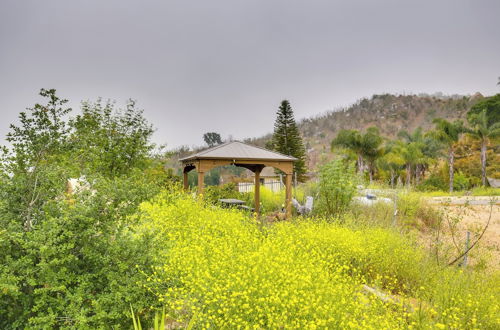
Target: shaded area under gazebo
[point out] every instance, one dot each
(243, 155)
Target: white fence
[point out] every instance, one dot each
(274, 185)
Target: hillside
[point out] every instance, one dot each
(390, 113)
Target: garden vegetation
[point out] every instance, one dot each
(129, 247)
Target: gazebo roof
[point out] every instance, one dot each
(236, 150)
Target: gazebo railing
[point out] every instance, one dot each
(274, 185)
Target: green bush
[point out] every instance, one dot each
(228, 190)
(461, 182)
(434, 182)
(337, 186)
(77, 267)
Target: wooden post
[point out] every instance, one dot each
(288, 201)
(257, 191)
(185, 181)
(201, 182)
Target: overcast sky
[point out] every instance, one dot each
(224, 66)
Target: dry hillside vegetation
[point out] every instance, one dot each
(390, 113)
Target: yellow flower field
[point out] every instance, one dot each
(221, 269)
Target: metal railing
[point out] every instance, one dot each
(274, 185)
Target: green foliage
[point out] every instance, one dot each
(461, 182)
(434, 182)
(367, 147)
(483, 131)
(287, 139)
(212, 139)
(481, 128)
(77, 267)
(69, 261)
(30, 170)
(212, 177)
(108, 141)
(337, 186)
(229, 190)
(158, 323)
(492, 107)
(448, 133)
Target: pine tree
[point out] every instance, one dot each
(287, 140)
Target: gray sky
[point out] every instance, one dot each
(224, 66)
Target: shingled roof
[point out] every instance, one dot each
(238, 150)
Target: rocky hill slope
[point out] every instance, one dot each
(390, 113)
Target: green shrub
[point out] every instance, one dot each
(434, 182)
(77, 267)
(229, 190)
(461, 182)
(337, 186)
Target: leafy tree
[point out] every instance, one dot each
(491, 105)
(351, 140)
(108, 141)
(287, 139)
(372, 142)
(448, 133)
(38, 143)
(367, 147)
(483, 131)
(212, 139)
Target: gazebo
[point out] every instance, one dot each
(243, 155)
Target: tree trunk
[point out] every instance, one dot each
(360, 164)
(408, 174)
(417, 174)
(451, 161)
(483, 162)
(392, 178)
(370, 173)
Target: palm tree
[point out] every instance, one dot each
(448, 134)
(392, 160)
(351, 139)
(483, 132)
(412, 155)
(372, 149)
(424, 149)
(367, 147)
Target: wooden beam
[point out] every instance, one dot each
(257, 191)
(201, 182)
(185, 181)
(288, 201)
(207, 164)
